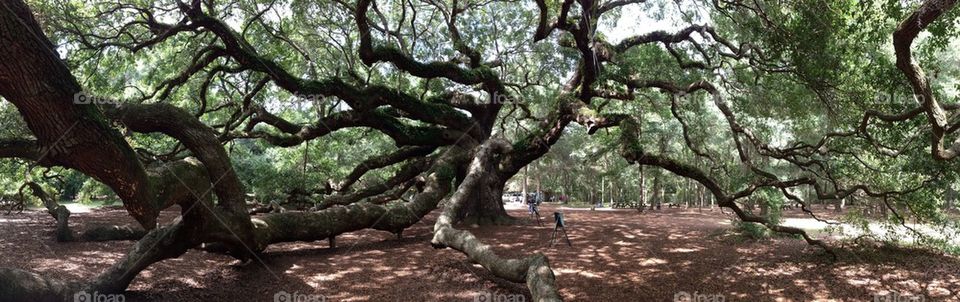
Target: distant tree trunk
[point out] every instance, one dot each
(523, 198)
(700, 192)
(539, 181)
(838, 206)
(620, 197)
(643, 191)
(602, 185)
(709, 198)
(563, 189)
(614, 193)
(657, 192)
(643, 183)
(951, 197)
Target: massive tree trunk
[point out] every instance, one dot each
(534, 270)
(485, 205)
(38, 83)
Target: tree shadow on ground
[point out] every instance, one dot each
(616, 256)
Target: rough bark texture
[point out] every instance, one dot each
(33, 78)
(903, 37)
(20, 285)
(486, 205)
(392, 217)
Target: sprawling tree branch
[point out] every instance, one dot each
(903, 38)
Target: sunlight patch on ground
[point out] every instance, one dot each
(589, 275)
(77, 208)
(623, 243)
(684, 250)
(876, 229)
(317, 279)
(652, 262)
(804, 223)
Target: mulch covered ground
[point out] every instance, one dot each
(616, 256)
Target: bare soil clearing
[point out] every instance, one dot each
(618, 255)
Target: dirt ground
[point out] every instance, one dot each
(616, 256)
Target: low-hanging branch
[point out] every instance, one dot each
(407, 172)
(633, 153)
(381, 161)
(903, 37)
(402, 133)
